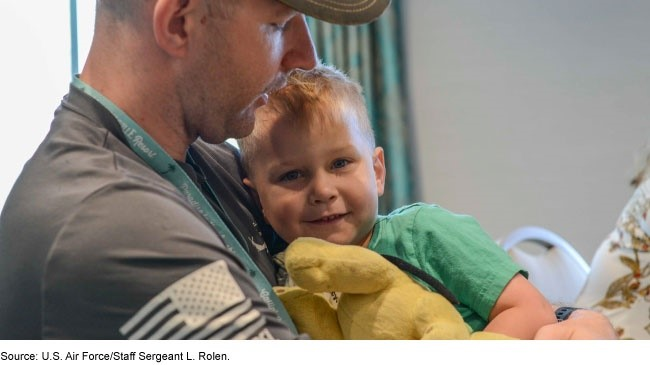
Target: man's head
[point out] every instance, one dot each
(199, 68)
(312, 159)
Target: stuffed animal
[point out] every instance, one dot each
(377, 300)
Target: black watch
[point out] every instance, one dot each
(563, 313)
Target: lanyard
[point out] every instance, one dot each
(145, 147)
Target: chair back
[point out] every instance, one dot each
(554, 266)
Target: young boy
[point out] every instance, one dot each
(312, 161)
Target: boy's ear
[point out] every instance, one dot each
(248, 183)
(379, 166)
(254, 194)
(172, 22)
(251, 189)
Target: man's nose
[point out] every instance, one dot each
(300, 48)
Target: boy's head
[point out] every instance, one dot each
(312, 159)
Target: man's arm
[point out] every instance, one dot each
(582, 324)
(137, 262)
(522, 312)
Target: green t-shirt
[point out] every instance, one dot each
(452, 248)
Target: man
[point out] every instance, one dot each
(126, 223)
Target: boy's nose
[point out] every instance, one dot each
(322, 190)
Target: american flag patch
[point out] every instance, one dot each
(206, 304)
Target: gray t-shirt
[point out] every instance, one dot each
(96, 245)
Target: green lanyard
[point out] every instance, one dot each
(145, 147)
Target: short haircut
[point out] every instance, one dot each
(132, 9)
(120, 9)
(319, 95)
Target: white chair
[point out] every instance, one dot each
(554, 266)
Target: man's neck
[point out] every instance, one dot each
(141, 102)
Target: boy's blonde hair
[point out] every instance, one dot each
(320, 95)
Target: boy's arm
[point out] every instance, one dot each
(520, 311)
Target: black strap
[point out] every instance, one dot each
(563, 313)
(422, 275)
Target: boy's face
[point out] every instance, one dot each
(319, 181)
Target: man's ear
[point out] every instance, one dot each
(379, 166)
(171, 20)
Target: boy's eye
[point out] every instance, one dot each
(290, 176)
(338, 164)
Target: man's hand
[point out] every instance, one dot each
(583, 324)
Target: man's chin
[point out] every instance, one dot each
(238, 129)
(242, 125)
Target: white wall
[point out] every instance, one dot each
(530, 111)
(35, 73)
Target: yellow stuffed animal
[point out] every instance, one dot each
(378, 300)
